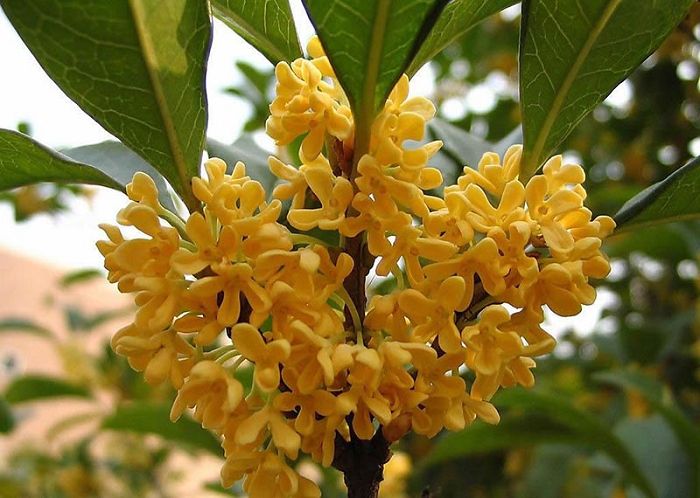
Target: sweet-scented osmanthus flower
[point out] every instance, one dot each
(233, 287)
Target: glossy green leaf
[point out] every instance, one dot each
(24, 161)
(674, 198)
(663, 242)
(40, 387)
(458, 17)
(247, 151)
(370, 44)
(467, 148)
(7, 420)
(574, 53)
(119, 162)
(267, 25)
(136, 66)
(154, 418)
(12, 324)
(541, 418)
(463, 147)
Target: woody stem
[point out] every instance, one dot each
(360, 461)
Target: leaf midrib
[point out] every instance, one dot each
(563, 91)
(369, 88)
(148, 51)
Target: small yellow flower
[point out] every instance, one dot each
(273, 478)
(142, 189)
(482, 259)
(492, 175)
(210, 249)
(294, 186)
(205, 189)
(333, 192)
(387, 190)
(298, 267)
(159, 300)
(232, 280)
(268, 418)
(410, 246)
(483, 216)
(386, 314)
(562, 287)
(489, 346)
(213, 391)
(266, 237)
(450, 222)
(319, 402)
(162, 356)
(547, 209)
(304, 103)
(266, 356)
(200, 318)
(435, 316)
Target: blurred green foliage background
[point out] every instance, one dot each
(615, 412)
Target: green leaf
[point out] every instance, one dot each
(70, 422)
(78, 321)
(154, 418)
(458, 17)
(370, 44)
(267, 25)
(592, 431)
(216, 487)
(40, 387)
(674, 198)
(465, 148)
(511, 432)
(259, 81)
(80, 276)
(246, 150)
(7, 421)
(119, 162)
(24, 161)
(536, 418)
(574, 53)
(137, 67)
(687, 432)
(461, 149)
(13, 324)
(658, 451)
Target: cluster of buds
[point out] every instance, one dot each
(232, 288)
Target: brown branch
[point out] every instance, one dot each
(362, 463)
(355, 282)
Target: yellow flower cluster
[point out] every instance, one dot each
(427, 356)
